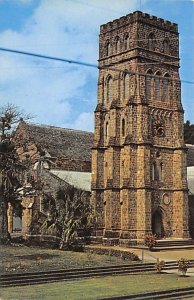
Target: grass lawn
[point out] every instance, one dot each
(23, 259)
(96, 288)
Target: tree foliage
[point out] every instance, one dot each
(68, 214)
(189, 132)
(11, 169)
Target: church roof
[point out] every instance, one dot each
(61, 142)
(81, 180)
(190, 155)
(70, 143)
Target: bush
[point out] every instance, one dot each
(125, 255)
(75, 246)
(150, 240)
(183, 265)
(159, 266)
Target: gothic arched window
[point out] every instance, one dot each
(108, 48)
(109, 89)
(106, 130)
(117, 44)
(157, 91)
(165, 88)
(151, 42)
(161, 172)
(154, 171)
(126, 42)
(148, 81)
(123, 127)
(166, 46)
(126, 86)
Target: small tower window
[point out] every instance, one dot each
(106, 130)
(126, 42)
(148, 81)
(165, 90)
(108, 49)
(166, 46)
(109, 89)
(154, 172)
(126, 86)
(117, 45)
(151, 42)
(123, 127)
(157, 87)
(161, 172)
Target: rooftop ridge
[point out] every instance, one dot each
(59, 128)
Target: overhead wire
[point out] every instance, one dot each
(86, 64)
(48, 57)
(97, 7)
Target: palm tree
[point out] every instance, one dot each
(68, 213)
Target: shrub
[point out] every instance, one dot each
(125, 255)
(150, 240)
(183, 265)
(159, 266)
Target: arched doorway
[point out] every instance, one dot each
(157, 224)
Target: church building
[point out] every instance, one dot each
(139, 177)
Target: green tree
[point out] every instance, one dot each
(189, 132)
(11, 169)
(69, 214)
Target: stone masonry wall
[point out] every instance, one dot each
(139, 165)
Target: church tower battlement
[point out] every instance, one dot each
(139, 181)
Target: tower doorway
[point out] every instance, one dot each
(157, 224)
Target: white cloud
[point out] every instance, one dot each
(83, 122)
(56, 92)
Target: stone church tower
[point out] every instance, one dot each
(139, 181)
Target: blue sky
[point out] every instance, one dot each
(62, 94)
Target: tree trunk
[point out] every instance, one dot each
(4, 235)
(61, 244)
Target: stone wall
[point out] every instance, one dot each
(139, 155)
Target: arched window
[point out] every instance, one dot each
(108, 48)
(166, 46)
(157, 92)
(109, 89)
(154, 171)
(126, 86)
(117, 44)
(106, 130)
(126, 42)
(165, 89)
(161, 172)
(148, 81)
(151, 42)
(123, 127)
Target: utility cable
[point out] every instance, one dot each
(86, 64)
(97, 7)
(49, 57)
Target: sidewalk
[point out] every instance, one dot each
(165, 255)
(149, 256)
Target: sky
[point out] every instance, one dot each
(62, 94)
